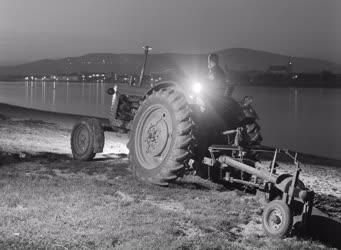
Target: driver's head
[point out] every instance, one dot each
(247, 100)
(213, 60)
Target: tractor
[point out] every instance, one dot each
(174, 129)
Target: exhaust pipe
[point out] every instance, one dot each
(146, 51)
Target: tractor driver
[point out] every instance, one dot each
(218, 78)
(220, 94)
(216, 75)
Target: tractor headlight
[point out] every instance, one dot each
(196, 88)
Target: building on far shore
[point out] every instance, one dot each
(71, 78)
(281, 69)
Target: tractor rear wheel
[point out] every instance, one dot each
(161, 137)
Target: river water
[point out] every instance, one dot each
(303, 119)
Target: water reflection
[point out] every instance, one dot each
(89, 96)
(296, 103)
(54, 96)
(26, 92)
(102, 94)
(35, 92)
(43, 91)
(96, 97)
(67, 93)
(31, 96)
(83, 93)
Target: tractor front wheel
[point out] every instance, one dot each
(86, 138)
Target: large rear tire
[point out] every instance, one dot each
(161, 137)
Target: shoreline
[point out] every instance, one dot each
(301, 85)
(20, 112)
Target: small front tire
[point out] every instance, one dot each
(83, 138)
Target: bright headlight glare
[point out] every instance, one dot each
(197, 87)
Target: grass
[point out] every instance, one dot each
(100, 205)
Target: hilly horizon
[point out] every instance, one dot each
(239, 59)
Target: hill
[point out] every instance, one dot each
(235, 59)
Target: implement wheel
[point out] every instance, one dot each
(277, 219)
(161, 137)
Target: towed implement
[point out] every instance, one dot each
(173, 130)
(290, 203)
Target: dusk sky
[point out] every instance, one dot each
(37, 29)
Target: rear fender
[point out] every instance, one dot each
(161, 86)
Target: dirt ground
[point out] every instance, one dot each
(50, 201)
